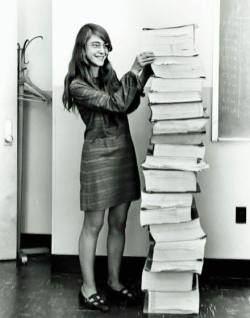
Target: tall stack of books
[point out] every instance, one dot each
(175, 156)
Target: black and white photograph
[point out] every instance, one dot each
(125, 158)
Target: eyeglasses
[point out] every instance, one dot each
(98, 45)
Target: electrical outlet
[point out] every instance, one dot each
(241, 215)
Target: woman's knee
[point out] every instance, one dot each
(117, 224)
(93, 221)
(118, 218)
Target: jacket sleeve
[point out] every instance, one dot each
(134, 105)
(119, 102)
(142, 80)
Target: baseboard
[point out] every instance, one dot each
(132, 266)
(218, 268)
(226, 268)
(35, 240)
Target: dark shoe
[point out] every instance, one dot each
(94, 302)
(125, 294)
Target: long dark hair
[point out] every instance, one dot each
(79, 65)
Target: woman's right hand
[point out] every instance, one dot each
(142, 60)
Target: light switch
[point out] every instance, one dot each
(8, 133)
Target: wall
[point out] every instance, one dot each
(34, 18)
(8, 111)
(225, 185)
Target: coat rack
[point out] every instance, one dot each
(27, 91)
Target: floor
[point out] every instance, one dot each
(32, 291)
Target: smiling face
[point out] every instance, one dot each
(96, 51)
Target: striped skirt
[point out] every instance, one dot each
(109, 174)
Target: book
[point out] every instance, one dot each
(174, 47)
(193, 62)
(181, 139)
(177, 71)
(169, 232)
(165, 215)
(175, 163)
(179, 126)
(167, 281)
(186, 151)
(177, 41)
(174, 97)
(176, 111)
(175, 84)
(170, 181)
(186, 30)
(194, 266)
(176, 251)
(165, 200)
(173, 302)
(170, 214)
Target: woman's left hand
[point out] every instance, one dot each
(142, 60)
(145, 58)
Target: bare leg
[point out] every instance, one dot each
(92, 225)
(115, 244)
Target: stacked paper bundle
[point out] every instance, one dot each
(176, 154)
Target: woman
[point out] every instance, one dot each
(109, 175)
